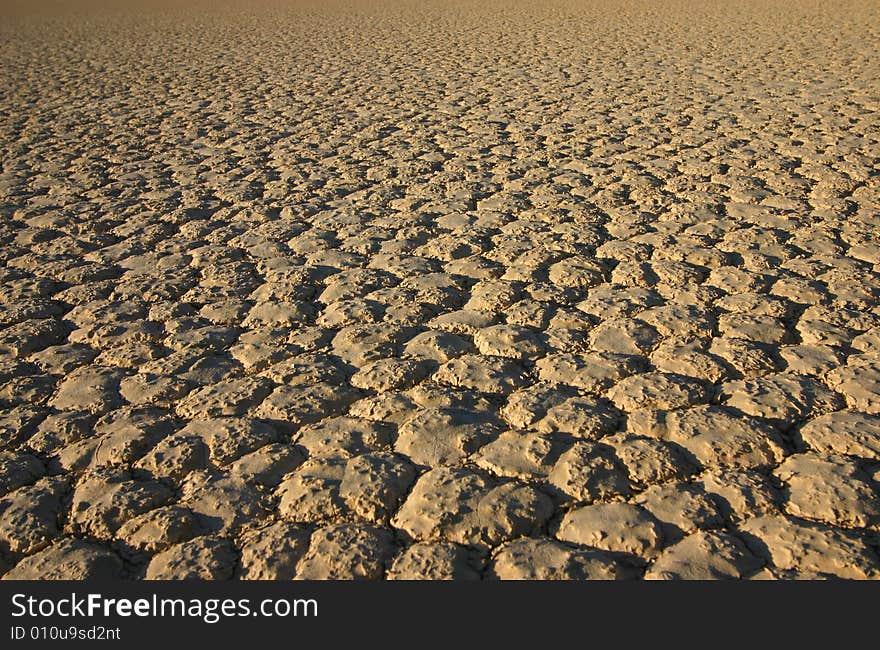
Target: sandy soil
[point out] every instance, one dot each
(441, 290)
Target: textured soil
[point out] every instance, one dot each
(499, 290)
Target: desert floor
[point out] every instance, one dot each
(440, 290)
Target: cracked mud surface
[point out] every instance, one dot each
(577, 290)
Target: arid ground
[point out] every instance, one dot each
(440, 290)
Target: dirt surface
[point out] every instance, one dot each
(458, 290)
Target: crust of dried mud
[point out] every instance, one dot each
(444, 290)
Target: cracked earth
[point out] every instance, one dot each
(576, 290)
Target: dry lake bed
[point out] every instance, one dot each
(424, 290)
